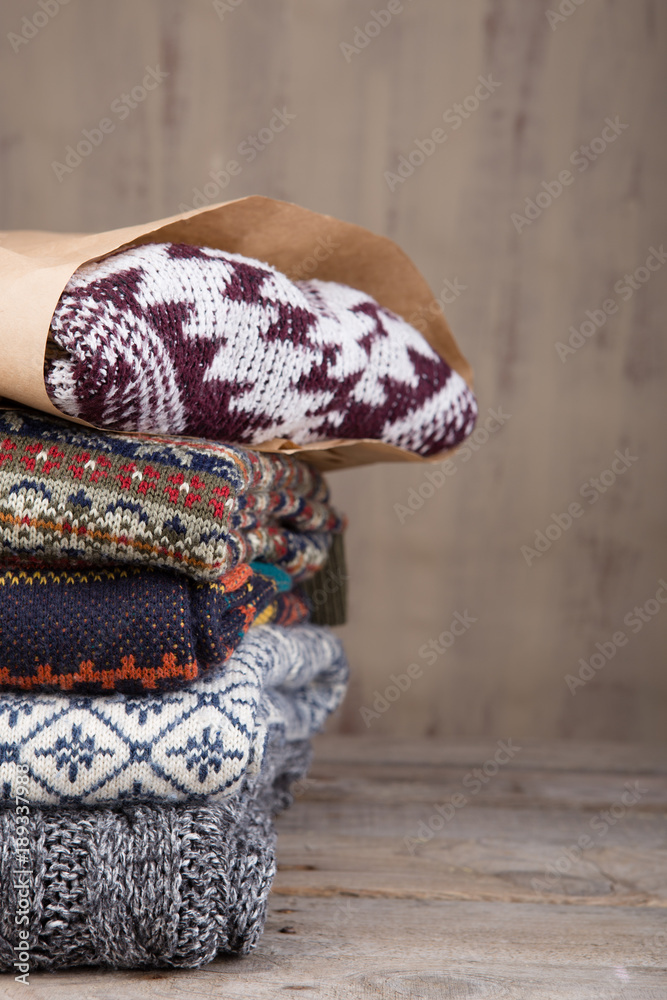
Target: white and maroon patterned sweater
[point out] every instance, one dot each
(189, 340)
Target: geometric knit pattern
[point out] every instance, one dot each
(121, 629)
(143, 885)
(68, 494)
(190, 340)
(201, 741)
(286, 609)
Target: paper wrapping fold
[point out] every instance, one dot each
(36, 266)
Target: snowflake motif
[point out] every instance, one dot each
(73, 752)
(202, 754)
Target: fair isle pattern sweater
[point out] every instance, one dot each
(128, 629)
(191, 340)
(201, 741)
(71, 495)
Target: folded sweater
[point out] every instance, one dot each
(70, 495)
(289, 608)
(124, 629)
(128, 629)
(191, 340)
(201, 741)
(142, 885)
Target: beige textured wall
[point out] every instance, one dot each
(460, 552)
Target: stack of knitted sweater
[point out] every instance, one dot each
(161, 673)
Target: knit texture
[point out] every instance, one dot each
(200, 741)
(286, 609)
(325, 593)
(142, 885)
(123, 629)
(190, 340)
(72, 495)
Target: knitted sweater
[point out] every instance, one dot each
(201, 741)
(127, 629)
(143, 885)
(191, 340)
(289, 608)
(72, 495)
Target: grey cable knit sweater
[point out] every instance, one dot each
(137, 885)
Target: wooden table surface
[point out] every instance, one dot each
(547, 878)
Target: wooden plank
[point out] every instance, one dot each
(349, 949)
(566, 755)
(502, 870)
(555, 838)
(518, 789)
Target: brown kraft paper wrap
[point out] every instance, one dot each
(36, 266)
